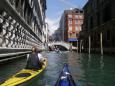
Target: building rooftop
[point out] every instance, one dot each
(75, 10)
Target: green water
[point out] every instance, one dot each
(87, 70)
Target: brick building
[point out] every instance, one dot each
(70, 25)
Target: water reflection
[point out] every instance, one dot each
(101, 63)
(87, 70)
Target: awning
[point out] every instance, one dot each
(72, 39)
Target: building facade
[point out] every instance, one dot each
(21, 25)
(57, 35)
(45, 37)
(98, 27)
(70, 23)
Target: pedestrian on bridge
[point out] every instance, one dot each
(35, 59)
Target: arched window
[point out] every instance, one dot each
(25, 10)
(1, 28)
(16, 3)
(12, 2)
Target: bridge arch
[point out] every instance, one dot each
(63, 44)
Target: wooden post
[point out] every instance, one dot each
(101, 42)
(89, 60)
(89, 44)
(101, 63)
(70, 46)
(77, 46)
(80, 45)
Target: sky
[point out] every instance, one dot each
(55, 9)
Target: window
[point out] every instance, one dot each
(77, 29)
(98, 18)
(76, 11)
(70, 21)
(32, 4)
(94, 5)
(76, 22)
(107, 13)
(1, 29)
(76, 16)
(108, 35)
(81, 11)
(80, 16)
(70, 28)
(69, 16)
(17, 3)
(80, 28)
(91, 22)
(81, 21)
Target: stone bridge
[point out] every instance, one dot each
(64, 44)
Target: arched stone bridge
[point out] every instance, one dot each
(64, 44)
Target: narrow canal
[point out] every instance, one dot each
(87, 70)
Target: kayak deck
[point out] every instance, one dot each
(23, 76)
(65, 78)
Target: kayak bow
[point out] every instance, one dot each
(65, 78)
(23, 76)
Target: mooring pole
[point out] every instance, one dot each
(101, 42)
(89, 44)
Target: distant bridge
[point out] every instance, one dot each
(64, 44)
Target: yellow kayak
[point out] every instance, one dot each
(23, 76)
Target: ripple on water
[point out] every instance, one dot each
(87, 70)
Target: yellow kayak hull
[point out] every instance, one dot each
(14, 80)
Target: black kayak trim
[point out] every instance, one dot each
(23, 75)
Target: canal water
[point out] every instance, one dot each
(87, 70)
